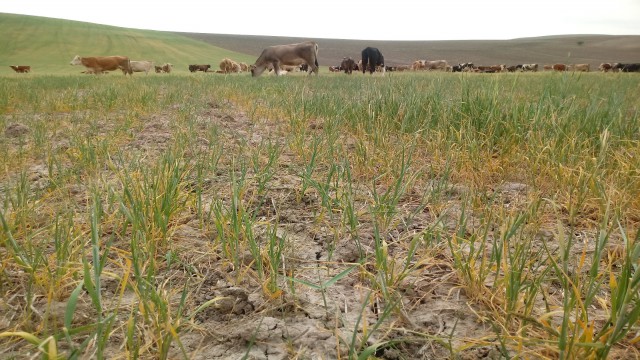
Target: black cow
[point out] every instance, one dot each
(372, 57)
(204, 68)
(631, 67)
(348, 65)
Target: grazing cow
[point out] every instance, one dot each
(631, 67)
(99, 64)
(512, 68)
(547, 67)
(292, 54)
(530, 67)
(462, 67)
(244, 67)
(203, 68)
(348, 65)
(334, 68)
(21, 68)
(582, 67)
(390, 68)
(492, 68)
(372, 57)
(559, 67)
(402, 67)
(604, 67)
(436, 65)
(418, 65)
(229, 66)
(158, 69)
(141, 66)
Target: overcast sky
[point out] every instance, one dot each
(349, 19)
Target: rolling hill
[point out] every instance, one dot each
(592, 49)
(49, 44)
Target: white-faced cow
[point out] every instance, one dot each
(21, 68)
(292, 54)
(372, 57)
(99, 64)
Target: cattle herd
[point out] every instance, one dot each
(282, 59)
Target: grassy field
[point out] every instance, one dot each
(48, 45)
(418, 215)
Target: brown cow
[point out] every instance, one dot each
(348, 65)
(229, 66)
(99, 64)
(21, 68)
(559, 67)
(292, 54)
(197, 67)
(547, 67)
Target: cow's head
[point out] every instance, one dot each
(77, 60)
(257, 70)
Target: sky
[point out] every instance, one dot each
(351, 19)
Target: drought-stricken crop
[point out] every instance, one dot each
(407, 216)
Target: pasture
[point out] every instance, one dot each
(410, 216)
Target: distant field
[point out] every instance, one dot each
(48, 45)
(591, 49)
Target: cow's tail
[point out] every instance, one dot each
(316, 57)
(129, 69)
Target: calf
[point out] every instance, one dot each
(203, 68)
(348, 65)
(140, 66)
(21, 68)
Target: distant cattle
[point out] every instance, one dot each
(334, 68)
(559, 67)
(491, 68)
(403, 67)
(512, 68)
(292, 54)
(165, 68)
(99, 64)
(581, 67)
(244, 66)
(228, 66)
(631, 68)
(462, 67)
(530, 67)
(21, 68)
(348, 65)
(604, 67)
(547, 67)
(203, 68)
(141, 66)
(372, 57)
(436, 65)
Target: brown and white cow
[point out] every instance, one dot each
(229, 66)
(605, 67)
(291, 54)
(21, 68)
(99, 64)
(141, 66)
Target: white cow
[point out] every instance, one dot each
(141, 66)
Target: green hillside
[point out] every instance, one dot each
(48, 45)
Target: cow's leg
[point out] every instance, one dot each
(276, 67)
